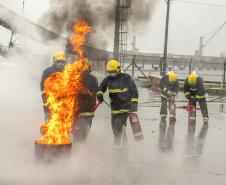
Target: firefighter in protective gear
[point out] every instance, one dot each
(59, 61)
(123, 97)
(168, 89)
(194, 91)
(87, 103)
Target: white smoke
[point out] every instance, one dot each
(21, 117)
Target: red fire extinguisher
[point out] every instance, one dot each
(191, 108)
(135, 125)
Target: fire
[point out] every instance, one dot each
(62, 89)
(78, 40)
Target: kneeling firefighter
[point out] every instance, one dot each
(194, 91)
(168, 89)
(59, 61)
(87, 103)
(123, 96)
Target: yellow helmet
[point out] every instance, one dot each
(59, 55)
(172, 77)
(113, 65)
(192, 78)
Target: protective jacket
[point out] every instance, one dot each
(165, 87)
(87, 98)
(122, 92)
(46, 73)
(196, 92)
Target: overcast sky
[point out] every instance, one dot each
(187, 23)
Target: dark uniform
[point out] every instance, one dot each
(46, 73)
(87, 102)
(197, 93)
(124, 98)
(167, 90)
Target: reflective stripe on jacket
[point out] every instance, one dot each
(122, 92)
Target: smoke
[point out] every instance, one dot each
(22, 115)
(93, 163)
(100, 14)
(96, 162)
(141, 12)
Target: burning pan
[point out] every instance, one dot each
(49, 153)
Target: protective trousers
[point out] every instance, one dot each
(118, 123)
(163, 109)
(203, 107)
(84, 123)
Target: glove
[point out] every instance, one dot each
(188, 96)
(133, 107)
(192, 100)
(169, 93)
(100, 98)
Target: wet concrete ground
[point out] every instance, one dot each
(165, 156)
(175, 155)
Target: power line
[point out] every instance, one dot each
(200, 3)
(213, 31)
(217, 31)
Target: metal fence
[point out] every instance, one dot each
(212, 69)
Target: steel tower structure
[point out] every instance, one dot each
(121, 29)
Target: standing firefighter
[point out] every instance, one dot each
(194, 91)
(169, 87)
(124, 98)
(59, 61)
(87, 103)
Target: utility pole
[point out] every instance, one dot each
(201, 46)
(23, 6)
(163, 71)
(224, 75)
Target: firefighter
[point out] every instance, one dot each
(194, 91)
(168, 89)
(123, 97)
(87, 103)
(59, 61)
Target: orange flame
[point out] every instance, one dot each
(78, 40)
(62, 90)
